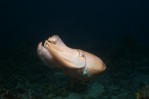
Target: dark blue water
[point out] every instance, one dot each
(117, 31)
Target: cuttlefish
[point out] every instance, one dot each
(76, 63)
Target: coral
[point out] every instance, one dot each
(143, 93)
(7, 95)
(77, 86)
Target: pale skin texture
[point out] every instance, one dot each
(74, 62)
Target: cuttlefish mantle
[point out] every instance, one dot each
(74, 62)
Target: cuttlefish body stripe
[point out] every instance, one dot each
(74, 62)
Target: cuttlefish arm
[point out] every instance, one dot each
(74, 62)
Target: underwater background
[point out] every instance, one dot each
(115, 30)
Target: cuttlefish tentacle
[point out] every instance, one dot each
(74, 62)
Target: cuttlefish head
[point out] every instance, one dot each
(74, 62)
(55, 51)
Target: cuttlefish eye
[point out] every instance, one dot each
(81, 54)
